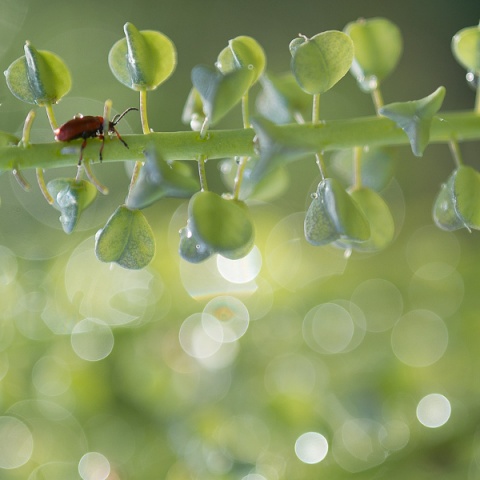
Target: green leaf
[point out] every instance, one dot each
(222, 225)
(126, 239)
(333, 214)
(378, 48)
(39, 77)
(379, 217)
(191, 248)
(444, 213)
(242, 52)
(71, 197)
(415, 118)
(7, 139)
(466, 48)
(158, 179)
(219, 92)
(193, 113)
(142, 60)
(320, 62)
(466, 196)
(281, 99)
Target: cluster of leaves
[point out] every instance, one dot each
(351, 215)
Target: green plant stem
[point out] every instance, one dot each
(143, 111)
(202, 173)
(242, 163)
(357, 167)
(51, 116)
(315, 121)
(477, 100)
(325, 136)
(456, 152)
(377, 98)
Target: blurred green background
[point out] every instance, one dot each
(295, 363)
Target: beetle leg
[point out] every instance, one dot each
(120, 138)
(102, 137)
(82, 148)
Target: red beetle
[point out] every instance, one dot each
(89, 126)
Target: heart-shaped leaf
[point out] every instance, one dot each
(221, 225)
(191, 248)
(242, 52)
(126, 239)
(158, 179)
(39, 77)
(219, 92)
(466, 48)
(71, 197)
(444, 213)
(380, 220)
(378, 48)
(320, 62)
(466, 196)
(334, 214)
(142, 60)
(415, 118)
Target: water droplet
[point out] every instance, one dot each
(472, 80)
(369, 83)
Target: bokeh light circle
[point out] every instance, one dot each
(419, 338)
(311, 447)
(434, 410)
(51, 376)
(92, 339)
(201, 335)
(16, 443)
(243, 270)
(94, 466)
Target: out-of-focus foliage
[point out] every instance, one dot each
(292, 363)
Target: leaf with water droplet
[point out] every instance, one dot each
(415, 118)
(39, 77)
(158, 179)
(242, 52)
(71, 197)
(444, 213)
(191, 248)
(142, 60)
(466, 48)
(221, 225)
(320, 62)
(378, 47)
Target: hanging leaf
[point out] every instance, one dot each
(142, 60)
(219, 92)
(466, 48)
(466, 196)
(320, 62)
(71, 197)
(242, 52)
(158, 179)
(191, 248)
(126, 239)
(415, 118)
(39, 77)
(378, 48)
(221, 225)
(444, 213)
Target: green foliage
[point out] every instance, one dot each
(39, 77)
(71, 197)
(378, 47)
(142, 60)
(320, 62)
(415, 118)
(126, 239)
(466, 48)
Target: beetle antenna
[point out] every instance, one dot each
(117, 118)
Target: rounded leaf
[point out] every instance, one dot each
(378, 48)
(71, 197)
(466, 48)
(222, 225)
(242, 52)
(191, 248)
(321, 61)
(126, 239)
(466, 196)
(39, 77)
(380, 220)
(158, 179)
(142, 60)
(219, 92)
(444, 213)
